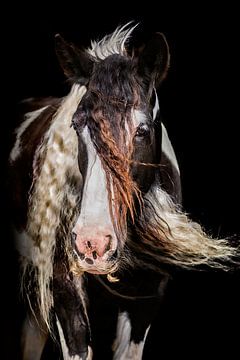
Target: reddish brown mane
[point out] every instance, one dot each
(115, 155)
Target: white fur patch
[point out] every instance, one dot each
(122, 340)
(133, 352)
(123, 348)
(167, 149)
(30, 117)
(156, 106)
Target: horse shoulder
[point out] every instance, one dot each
(35, 119)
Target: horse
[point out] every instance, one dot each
(97, 203)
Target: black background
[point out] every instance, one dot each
(199, 103)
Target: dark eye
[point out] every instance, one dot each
(78, 121)
(142, 131)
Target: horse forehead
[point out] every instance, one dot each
(115, 61)
(114, 74)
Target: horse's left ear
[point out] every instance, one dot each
(76, 64)
(154, 60)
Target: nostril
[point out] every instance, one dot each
(94, 254)
(89, 261)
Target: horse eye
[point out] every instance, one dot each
(142, 131)
(78, 123)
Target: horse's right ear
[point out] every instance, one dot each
(154, 60)
(76, 64)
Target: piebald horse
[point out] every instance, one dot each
(97, 203)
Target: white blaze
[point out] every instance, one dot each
(94, 205)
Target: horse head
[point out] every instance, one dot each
(119, 140)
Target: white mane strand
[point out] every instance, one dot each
(111, 44)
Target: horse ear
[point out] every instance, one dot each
(76, 64)
(154, 60)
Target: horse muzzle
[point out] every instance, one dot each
(96, 250)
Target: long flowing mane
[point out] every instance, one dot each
(53, 196)
(166, 235)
